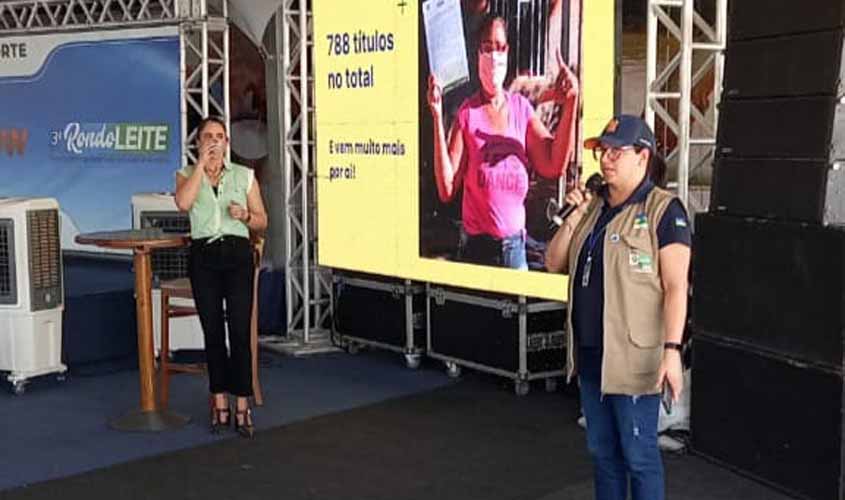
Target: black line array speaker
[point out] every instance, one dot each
(781, 136)
(797, 190)
(773, 286)
(806, 127)
(769, 417)
(792, 65)
(761, 18)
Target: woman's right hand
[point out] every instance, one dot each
(580, 198)
(435, 98)
(204, 153)
(208, 152)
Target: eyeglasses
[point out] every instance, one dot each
(613, 154)
(487, 46)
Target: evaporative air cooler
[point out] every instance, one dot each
(31, 292)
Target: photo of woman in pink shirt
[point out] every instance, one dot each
(494, 143)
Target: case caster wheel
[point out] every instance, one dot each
(353, 348)
(521, 387)
(412, 361)
(453, 370)
(19, 387)
(551, 384)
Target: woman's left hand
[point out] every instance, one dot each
(238, 212)
(565, 87)
(672, 373)
(566, 84)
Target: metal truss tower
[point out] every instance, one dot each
(307, 286)
(685, 56)
(205, 67)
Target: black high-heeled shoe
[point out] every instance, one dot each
(218, 422)
(243, 423)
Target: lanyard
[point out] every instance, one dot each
(592, 240)
(599, 229)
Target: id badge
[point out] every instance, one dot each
(640, 262)
(585, 279)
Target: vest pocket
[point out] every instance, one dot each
(644, 351)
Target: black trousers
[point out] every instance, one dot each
(220, 271)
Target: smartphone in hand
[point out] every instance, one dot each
(666, 398)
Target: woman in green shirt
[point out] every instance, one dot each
(224, 203)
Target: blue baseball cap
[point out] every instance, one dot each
(624, 130)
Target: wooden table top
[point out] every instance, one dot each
(134, 238)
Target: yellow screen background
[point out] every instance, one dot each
(370, 223)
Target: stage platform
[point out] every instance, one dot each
(333, 427)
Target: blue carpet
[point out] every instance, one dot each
(59, 429)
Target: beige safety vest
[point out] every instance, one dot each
(634, 329)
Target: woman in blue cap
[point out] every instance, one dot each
(627, 252)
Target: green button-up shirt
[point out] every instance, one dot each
(210, 213)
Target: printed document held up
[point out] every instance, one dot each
(444, 34)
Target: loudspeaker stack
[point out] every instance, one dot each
(769, 259)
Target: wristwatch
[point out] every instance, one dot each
(673, 345)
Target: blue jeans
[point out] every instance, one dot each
(489, 251)
(621, 437)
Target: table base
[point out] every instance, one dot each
(149, 421)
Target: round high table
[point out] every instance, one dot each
(142, 242)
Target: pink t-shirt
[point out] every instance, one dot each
(496, 180)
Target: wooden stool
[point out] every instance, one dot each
(181, 288)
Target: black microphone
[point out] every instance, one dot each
(594, 183)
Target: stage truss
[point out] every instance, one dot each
(203, 31)
(30, 16)
(307, 286)
(685, 52)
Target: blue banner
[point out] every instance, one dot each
(90, 120)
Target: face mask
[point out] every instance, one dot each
(492, 68)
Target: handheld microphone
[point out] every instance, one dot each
(594, 183)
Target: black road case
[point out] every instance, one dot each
(515, 337)
(380, 312)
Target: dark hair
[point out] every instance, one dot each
(487, 25)
(208, 120)
(656, 168)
